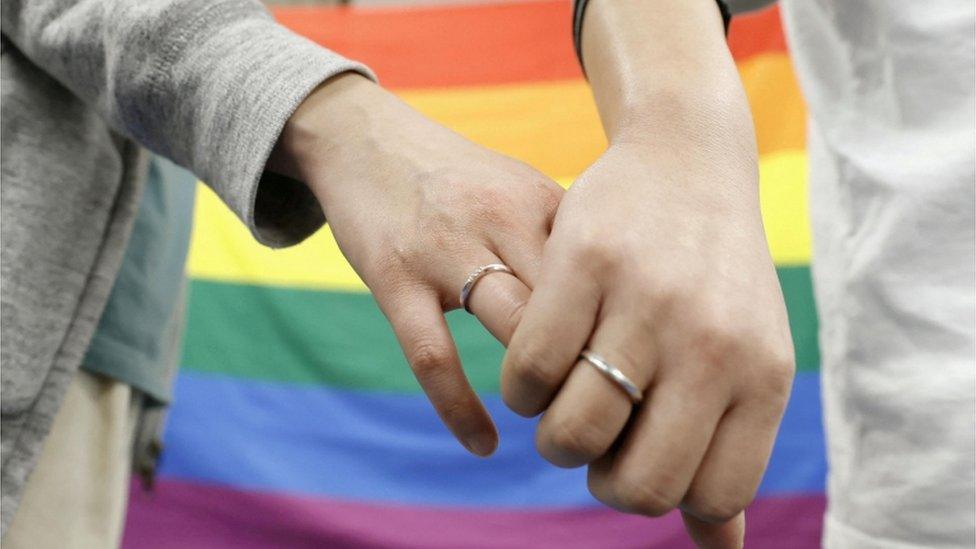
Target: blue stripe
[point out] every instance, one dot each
(392, 447)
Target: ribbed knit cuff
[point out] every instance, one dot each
(278, 211)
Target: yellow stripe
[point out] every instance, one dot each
(783, 197)
(223, 250)
(552, 126)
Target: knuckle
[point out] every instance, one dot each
(531, 367)
(647, 291)
(439, 239)
(717, 342)
(493, 207)
(570, 441)
(552, 194)
(401, 255)
(667, 296)
(548, 195)
(518, 405)
(599, 486)
(594, 251)
(398, 256)
(428, 359)
(778, 377)
(514, 316)
(646, 499)
(782, 358)
(770, 374)
(714, 508)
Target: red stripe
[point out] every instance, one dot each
(436, 46)
(447, 46)
(186, 515)
(756, 33)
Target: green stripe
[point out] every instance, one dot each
(342, 339)
(798, 292)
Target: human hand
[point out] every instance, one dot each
(657, 261)
(415, 208)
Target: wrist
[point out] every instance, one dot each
(660, 66)
(325, 125)
(677, 121)
(705, 147)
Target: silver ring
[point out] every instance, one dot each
(614, 375)
(475, 276)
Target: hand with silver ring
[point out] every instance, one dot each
(659, 358)
(415, 207)
(657, 285)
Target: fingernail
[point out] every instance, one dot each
(482, 445)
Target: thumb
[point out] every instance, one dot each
(711, 535)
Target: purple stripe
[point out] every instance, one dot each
(187, 515)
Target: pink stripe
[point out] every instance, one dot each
(187, 515)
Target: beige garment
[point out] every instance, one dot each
(76, 496)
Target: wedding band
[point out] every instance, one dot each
(475, 276)
(614, 375)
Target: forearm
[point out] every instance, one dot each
(662, 65)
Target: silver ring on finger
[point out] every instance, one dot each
(613, 374)
(477, 275)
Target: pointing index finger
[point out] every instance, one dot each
(419, 324)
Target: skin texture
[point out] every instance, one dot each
(658, 262)
(415, 208)
(655, 259)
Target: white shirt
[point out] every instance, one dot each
(890, 89)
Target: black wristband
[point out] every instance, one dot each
(579, 8)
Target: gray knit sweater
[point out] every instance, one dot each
(86, 85)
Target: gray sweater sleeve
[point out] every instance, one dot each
(208, 84)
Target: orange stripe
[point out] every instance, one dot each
(437, 46)
(776, 102)
(554, 126)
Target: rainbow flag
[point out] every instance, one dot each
(297, 422)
